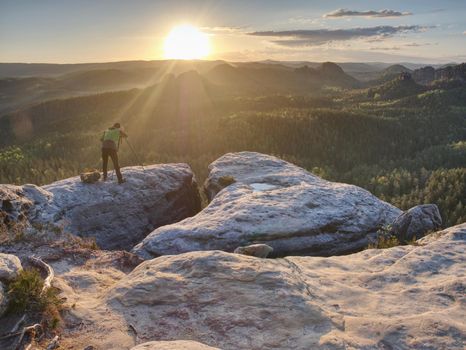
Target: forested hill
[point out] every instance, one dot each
(254, 79)
(404, 141)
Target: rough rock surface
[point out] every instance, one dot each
(10, 266)
(406, 297)
(277, 203)
(257, 250)
(173, 345)
(118, 216)
(417, 221)
(14, 205)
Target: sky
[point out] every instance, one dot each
(72, 31)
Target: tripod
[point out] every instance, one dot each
(135, 154)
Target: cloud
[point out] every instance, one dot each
(385, 48)
(223, 30)
(400, 46)
(315, 37)
(435, 11)
(305, 20)
(416, 44)
(349, 13)
(419, 45)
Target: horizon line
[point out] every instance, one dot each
(232, 61)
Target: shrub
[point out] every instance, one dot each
(25, 294)
(386, 239)
(11, 232)
(72, 241)
(384, 242)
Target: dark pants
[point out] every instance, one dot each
(106, 152)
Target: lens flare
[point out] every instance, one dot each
(186, 42)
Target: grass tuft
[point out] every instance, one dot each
(25, 296)
(386, 239)
(227, 180)
(384, 242)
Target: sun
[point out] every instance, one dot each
(186, 42)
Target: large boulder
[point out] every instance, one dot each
(173, 345)
(227, 300)
(417, 221)
(406, 297)
(118, 216)
(10, 267)
(258, 198)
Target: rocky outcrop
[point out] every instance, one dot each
(16, 204)
(226, 300)
(118, 216)
(424, 75)
(277, 203)
(400, 86)
(257, 250)
(416, 222)
(455, 72)
(173, 345)
(404, 297)
(428, 75)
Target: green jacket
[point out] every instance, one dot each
(111, 138)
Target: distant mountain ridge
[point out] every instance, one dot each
(12, 70)
(253, 78)
(21, 70)
(232, 78)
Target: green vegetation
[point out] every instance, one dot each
(401, 86)
(25, 294)
(10, 231)
(386, 239)
(406, 146)
(225, 181)
(384, 242)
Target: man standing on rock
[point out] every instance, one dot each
(110, 143)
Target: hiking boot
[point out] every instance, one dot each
(121, 181)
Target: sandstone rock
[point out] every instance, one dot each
(10, 266)
(405, 297)
(424, 75)
(275, 203)
(173, 345)
(226, 300)
(118, 216)
(417, 221)
(257, 250)
(14, 205)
